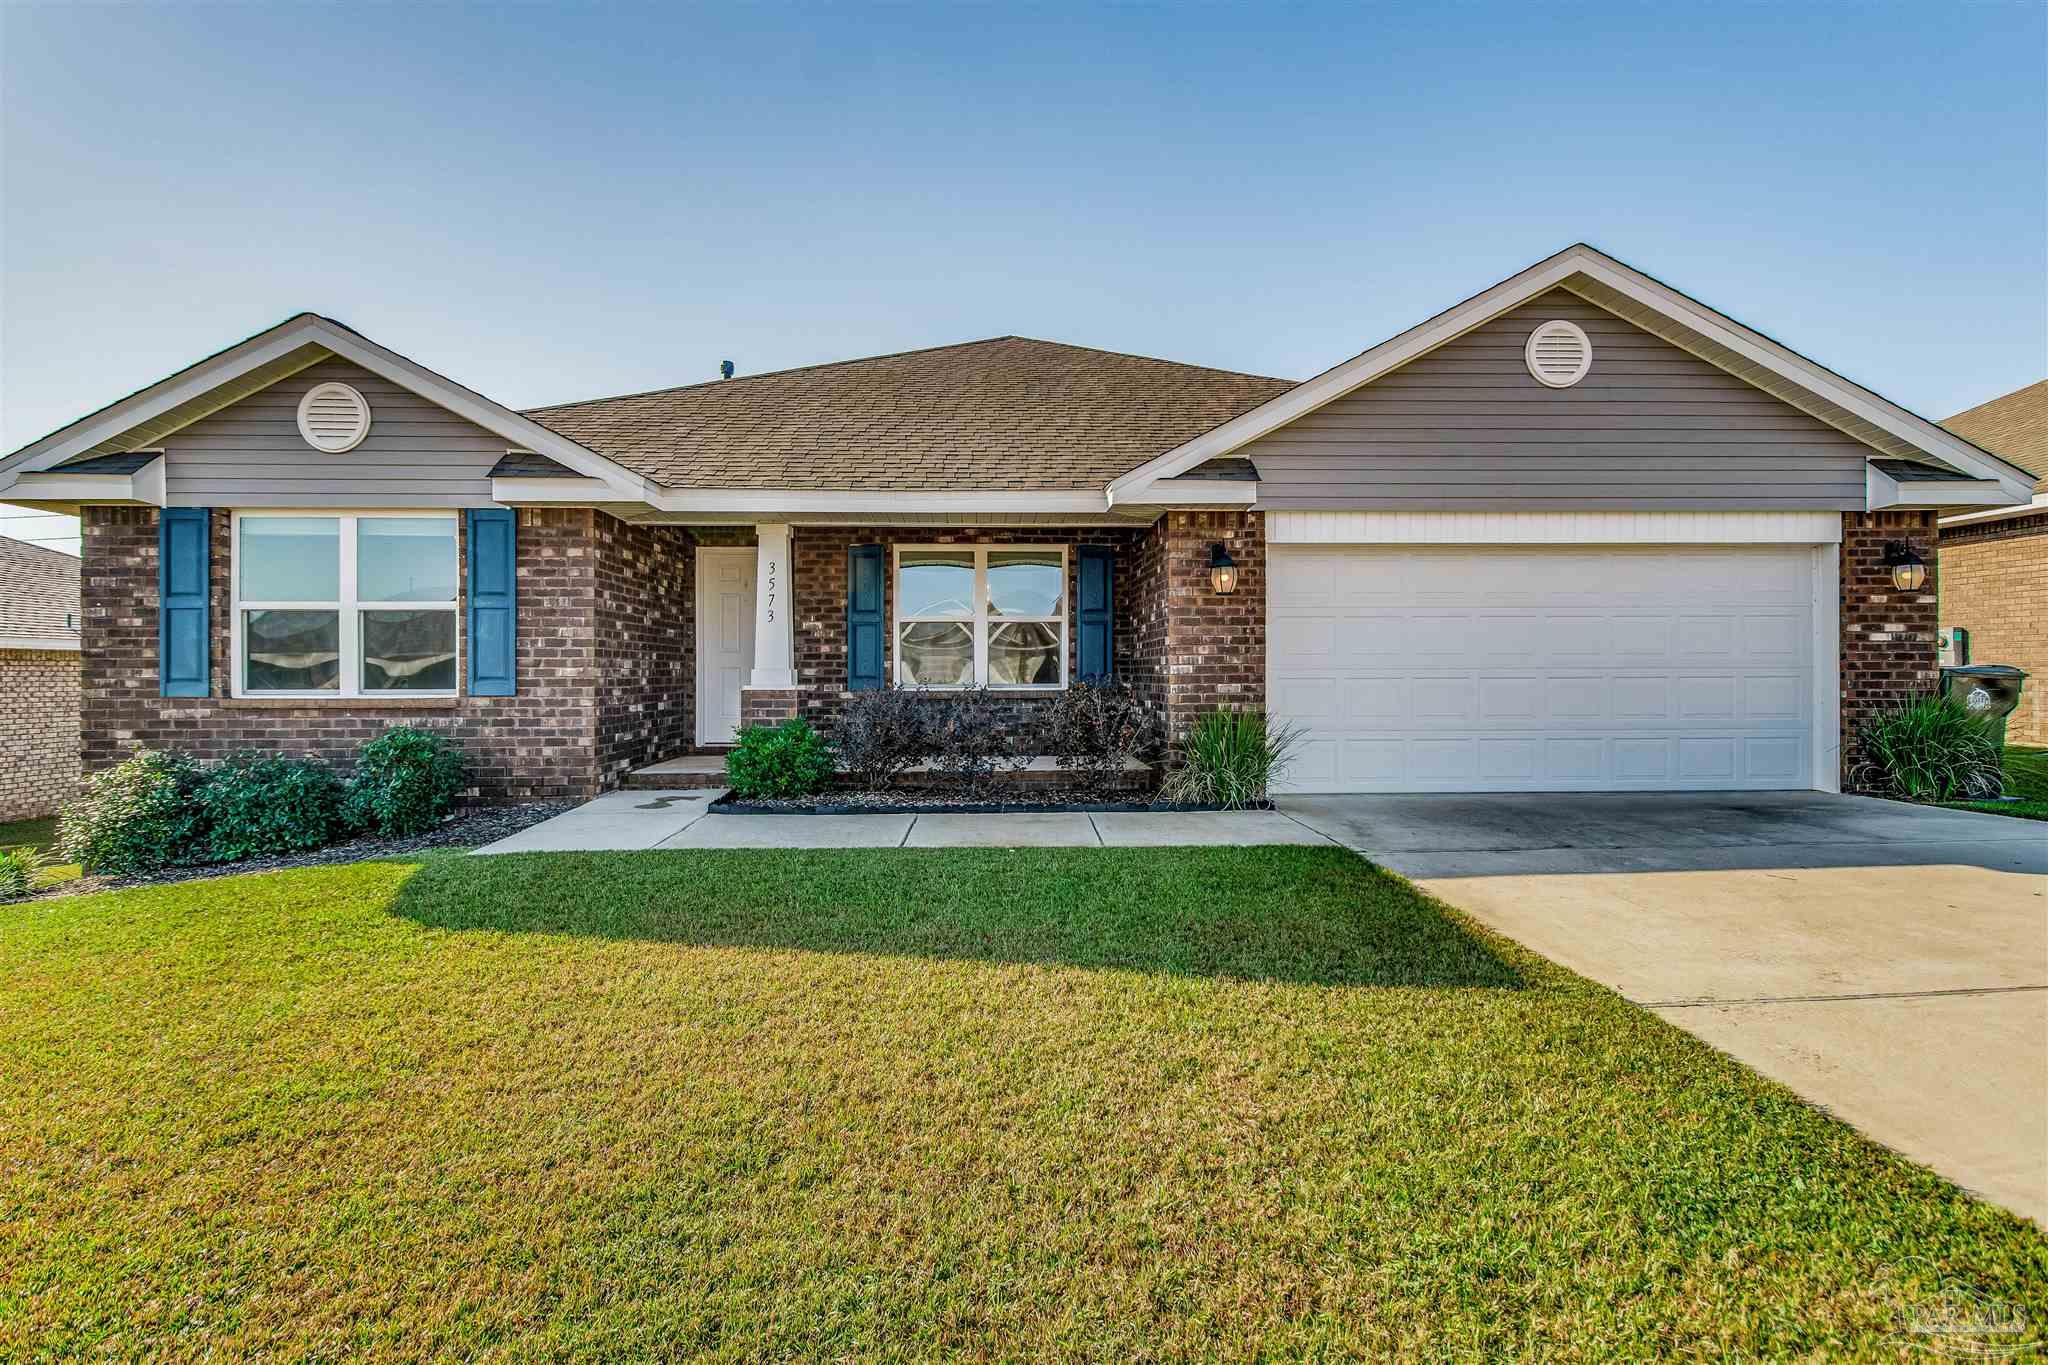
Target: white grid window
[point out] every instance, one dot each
(351, 604)
(994, 614)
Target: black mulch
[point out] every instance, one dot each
(471, 828)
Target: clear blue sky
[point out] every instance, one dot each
(560, 202)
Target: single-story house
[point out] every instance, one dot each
(1577, 532)
(1994, 564)
(38, 679)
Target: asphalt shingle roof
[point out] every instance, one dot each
(38, 589)
(2014, 427)
(1006, 413)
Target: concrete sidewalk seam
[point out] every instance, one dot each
(1311, 828)
(1096, 830)
(905, 840)
(1705, 1001)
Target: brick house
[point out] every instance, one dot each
(1994, 565)
(1578, 532)
(38, 679)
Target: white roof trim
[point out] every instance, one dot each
(2037, 504)
(280, 341)
(771, 500)
(145, 486)
(1881, 490)
(1574, 261)
(64, 642)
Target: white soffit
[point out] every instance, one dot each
(1553, 528)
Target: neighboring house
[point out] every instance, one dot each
(38, 679)
(1994, 565)
(1578, 532)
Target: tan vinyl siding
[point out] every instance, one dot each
(251, 454)
(1467, 428)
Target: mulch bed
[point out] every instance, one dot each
(1051, 802)
(471, 828)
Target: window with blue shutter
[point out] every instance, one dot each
(866, 582)
(493, 602)
(183, 634)
(1096, 599)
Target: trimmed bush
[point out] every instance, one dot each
(1928, 749)
(139, 815)
(1096, 730)
(790, 759)
(1231, 759)
(970, 740)
(18, 868)
(405, 781)
(256, 805)
(884, 733)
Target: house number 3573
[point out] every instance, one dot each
(771, 590)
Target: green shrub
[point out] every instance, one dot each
(790, 759)
(137, 816)
(1928, 749)
(257, 805)
(1231, 759)
(405, 781)
(18, 868)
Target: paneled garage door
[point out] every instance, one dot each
(1540, 668)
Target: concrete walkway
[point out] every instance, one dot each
(1887, 962)
(680, 819)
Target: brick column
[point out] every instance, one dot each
(768, 705)
(1888, 644)
(1213, 647)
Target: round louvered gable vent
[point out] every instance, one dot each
(1559, 354)
(333, 418)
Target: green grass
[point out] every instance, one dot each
(2026, 776)
(1126, 1104)
(40, 835)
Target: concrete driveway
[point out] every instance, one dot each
(1887, 962)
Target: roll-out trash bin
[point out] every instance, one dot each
(1987, 691)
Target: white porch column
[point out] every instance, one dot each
(773, 605)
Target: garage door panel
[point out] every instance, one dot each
(1573, 668)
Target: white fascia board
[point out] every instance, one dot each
(1881, 491)
(1516, 290)
(64, 642)
(280, 341)
(1191, 493)
(76, 489)
(570, 492)
(769, 502)
(2037, 504)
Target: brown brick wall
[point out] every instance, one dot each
(1888, 644)
(38, 730)
(1994, 584)
(540, 744)
(1215, 647)
(646, 639)
(819, 555)
(769, 705)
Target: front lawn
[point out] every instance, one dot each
(2026, 776)
(1127, 1104)
(39, 835)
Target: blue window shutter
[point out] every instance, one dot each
(493, 603)
(184, 603)
(865, 628)
(1097, 593)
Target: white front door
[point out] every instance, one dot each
(1545, 668)
(725, 638)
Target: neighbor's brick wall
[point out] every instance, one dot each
(540, 744)
(1994, 584)
(819, 557)
(1888, 644)
(38, 731)
(646, 642)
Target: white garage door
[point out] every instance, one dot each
(1537, 668)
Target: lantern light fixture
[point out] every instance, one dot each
(1909, 570)
(1222, 570)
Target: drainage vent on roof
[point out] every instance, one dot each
(333, 418)
(1559, 354)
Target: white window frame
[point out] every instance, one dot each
(980, 623)
(349, 685)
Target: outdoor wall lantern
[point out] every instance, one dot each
(1222, 570)
(1909, 571)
